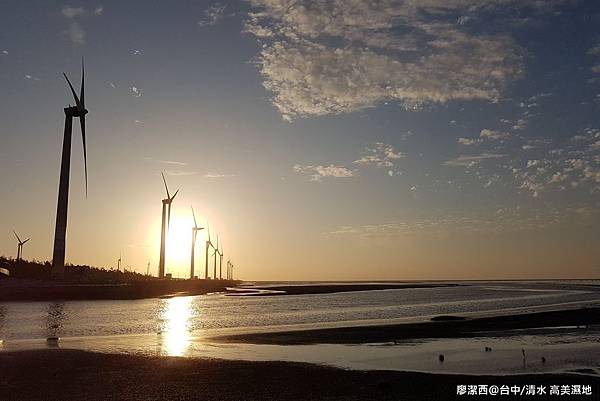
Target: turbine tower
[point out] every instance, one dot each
(119, 263)
(208, 245)
(60, 233)
(195, 230)
(166, 219)
(220, 262)
(215, 259)
(20, 246)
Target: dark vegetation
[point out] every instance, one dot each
(81, 274)
(31, 281)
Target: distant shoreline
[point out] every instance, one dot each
(60, 374)
(446, 327)
(309, 289)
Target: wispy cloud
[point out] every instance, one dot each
(317, 173)
(379, 155)
(179, 172)
(594, 51)
(172, 162)
(135, 91)
(213, 15)
(73, 14)
(465, 160)
(213, 175)
(492, 134)
(485, 135)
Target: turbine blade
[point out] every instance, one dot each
(16, 235)
(174, 195)
(165, 181)
(25, 241)
(79, 106)
(82, 85)
(208, 230)
(82, 121)
(193, 214)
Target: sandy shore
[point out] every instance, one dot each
(445, 328)
(78, 375)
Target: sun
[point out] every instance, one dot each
(179, 242)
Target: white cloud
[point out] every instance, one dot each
(4, 51)
(380, 155)
(386, 51)
(316, 173)
(466, 161)
(99, 10)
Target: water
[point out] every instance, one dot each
(182, 326)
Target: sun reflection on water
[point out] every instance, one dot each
(175, 330)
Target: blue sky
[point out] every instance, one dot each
(321, 139)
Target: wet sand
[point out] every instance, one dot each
(279, 290)
(494, 326)
(77, 375)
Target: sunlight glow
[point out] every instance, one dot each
(179, 237)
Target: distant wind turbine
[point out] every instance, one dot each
(220, 262)
(20, 245)
(195, 230)
(166, 219)
(215, 259)
(119, 263)
(206, 255)
(60, 233)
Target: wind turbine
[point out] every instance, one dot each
(20, 246)
(195, 230)
(220, 262)
(208, 244)
(60, 233)
(119, 263)
(228, 269)
(166, 219)
(215, 259)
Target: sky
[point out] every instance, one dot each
(319, 140)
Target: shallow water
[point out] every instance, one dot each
(181, 326)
